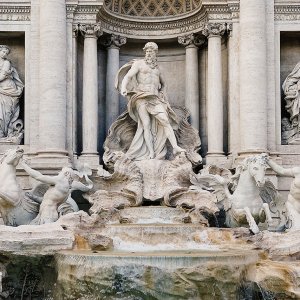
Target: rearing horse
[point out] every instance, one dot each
(244, 207)
(245, 204)
(16, 207)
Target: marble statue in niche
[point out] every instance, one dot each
(151, 149)
(149, 128)
(11, 88)
(291, 89)
(144, 86)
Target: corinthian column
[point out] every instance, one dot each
(214, 32)
(253, 76)
(191, 43)
(52, 78)
(91, 32)
(113, 43)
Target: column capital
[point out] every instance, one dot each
(229, 28)
(214, 29)
(191, 40)
(90, 30)
(75, 30)
(114, 41)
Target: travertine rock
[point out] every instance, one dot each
(32, 239)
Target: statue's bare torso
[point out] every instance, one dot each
(148, 78)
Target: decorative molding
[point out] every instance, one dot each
(191, 40)
(90, 30)
(214, 29)
(15, 13)
(287, 13)
(152, 29)
(75, 30)
(114, 40)
(86, 13)
(229, 28)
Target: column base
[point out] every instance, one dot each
(50, 160)
(91, 159)
(246, 153)
(219, 160)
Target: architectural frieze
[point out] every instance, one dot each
(14, 13)
(287, 13)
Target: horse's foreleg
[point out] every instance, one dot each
(252, 224)
(266, 214)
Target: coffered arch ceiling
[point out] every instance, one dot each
(162, 19)
(151, 8)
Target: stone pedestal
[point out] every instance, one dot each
(191, 43)
(113, 43)
(253, 77)
(52, 78)
(214, 32)
(90, 92)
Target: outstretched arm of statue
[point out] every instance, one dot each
(280, 170)
(76, 185)
(37, 175)
(132, 72)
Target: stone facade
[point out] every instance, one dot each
(230, 59)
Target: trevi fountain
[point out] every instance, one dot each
(149, 149)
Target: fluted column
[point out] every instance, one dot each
(75, 32)
(253, 76)
(113, 44)
(91, 32)
(191, 43)
(52, 77)
(233, 89)
(214, 32)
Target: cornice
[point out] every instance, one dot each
(15, 13)
(284, 12)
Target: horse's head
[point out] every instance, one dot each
(12, 156)
(257, 168)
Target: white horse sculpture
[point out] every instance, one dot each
(16, 208)
(245, 206)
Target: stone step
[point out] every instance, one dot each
(150, 215)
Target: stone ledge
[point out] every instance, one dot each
(35, 239)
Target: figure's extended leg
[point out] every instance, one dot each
(169, 132)
(146, 122)
(252, 224)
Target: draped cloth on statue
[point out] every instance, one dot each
(156, 106)
(11, 88)
(291, 88)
